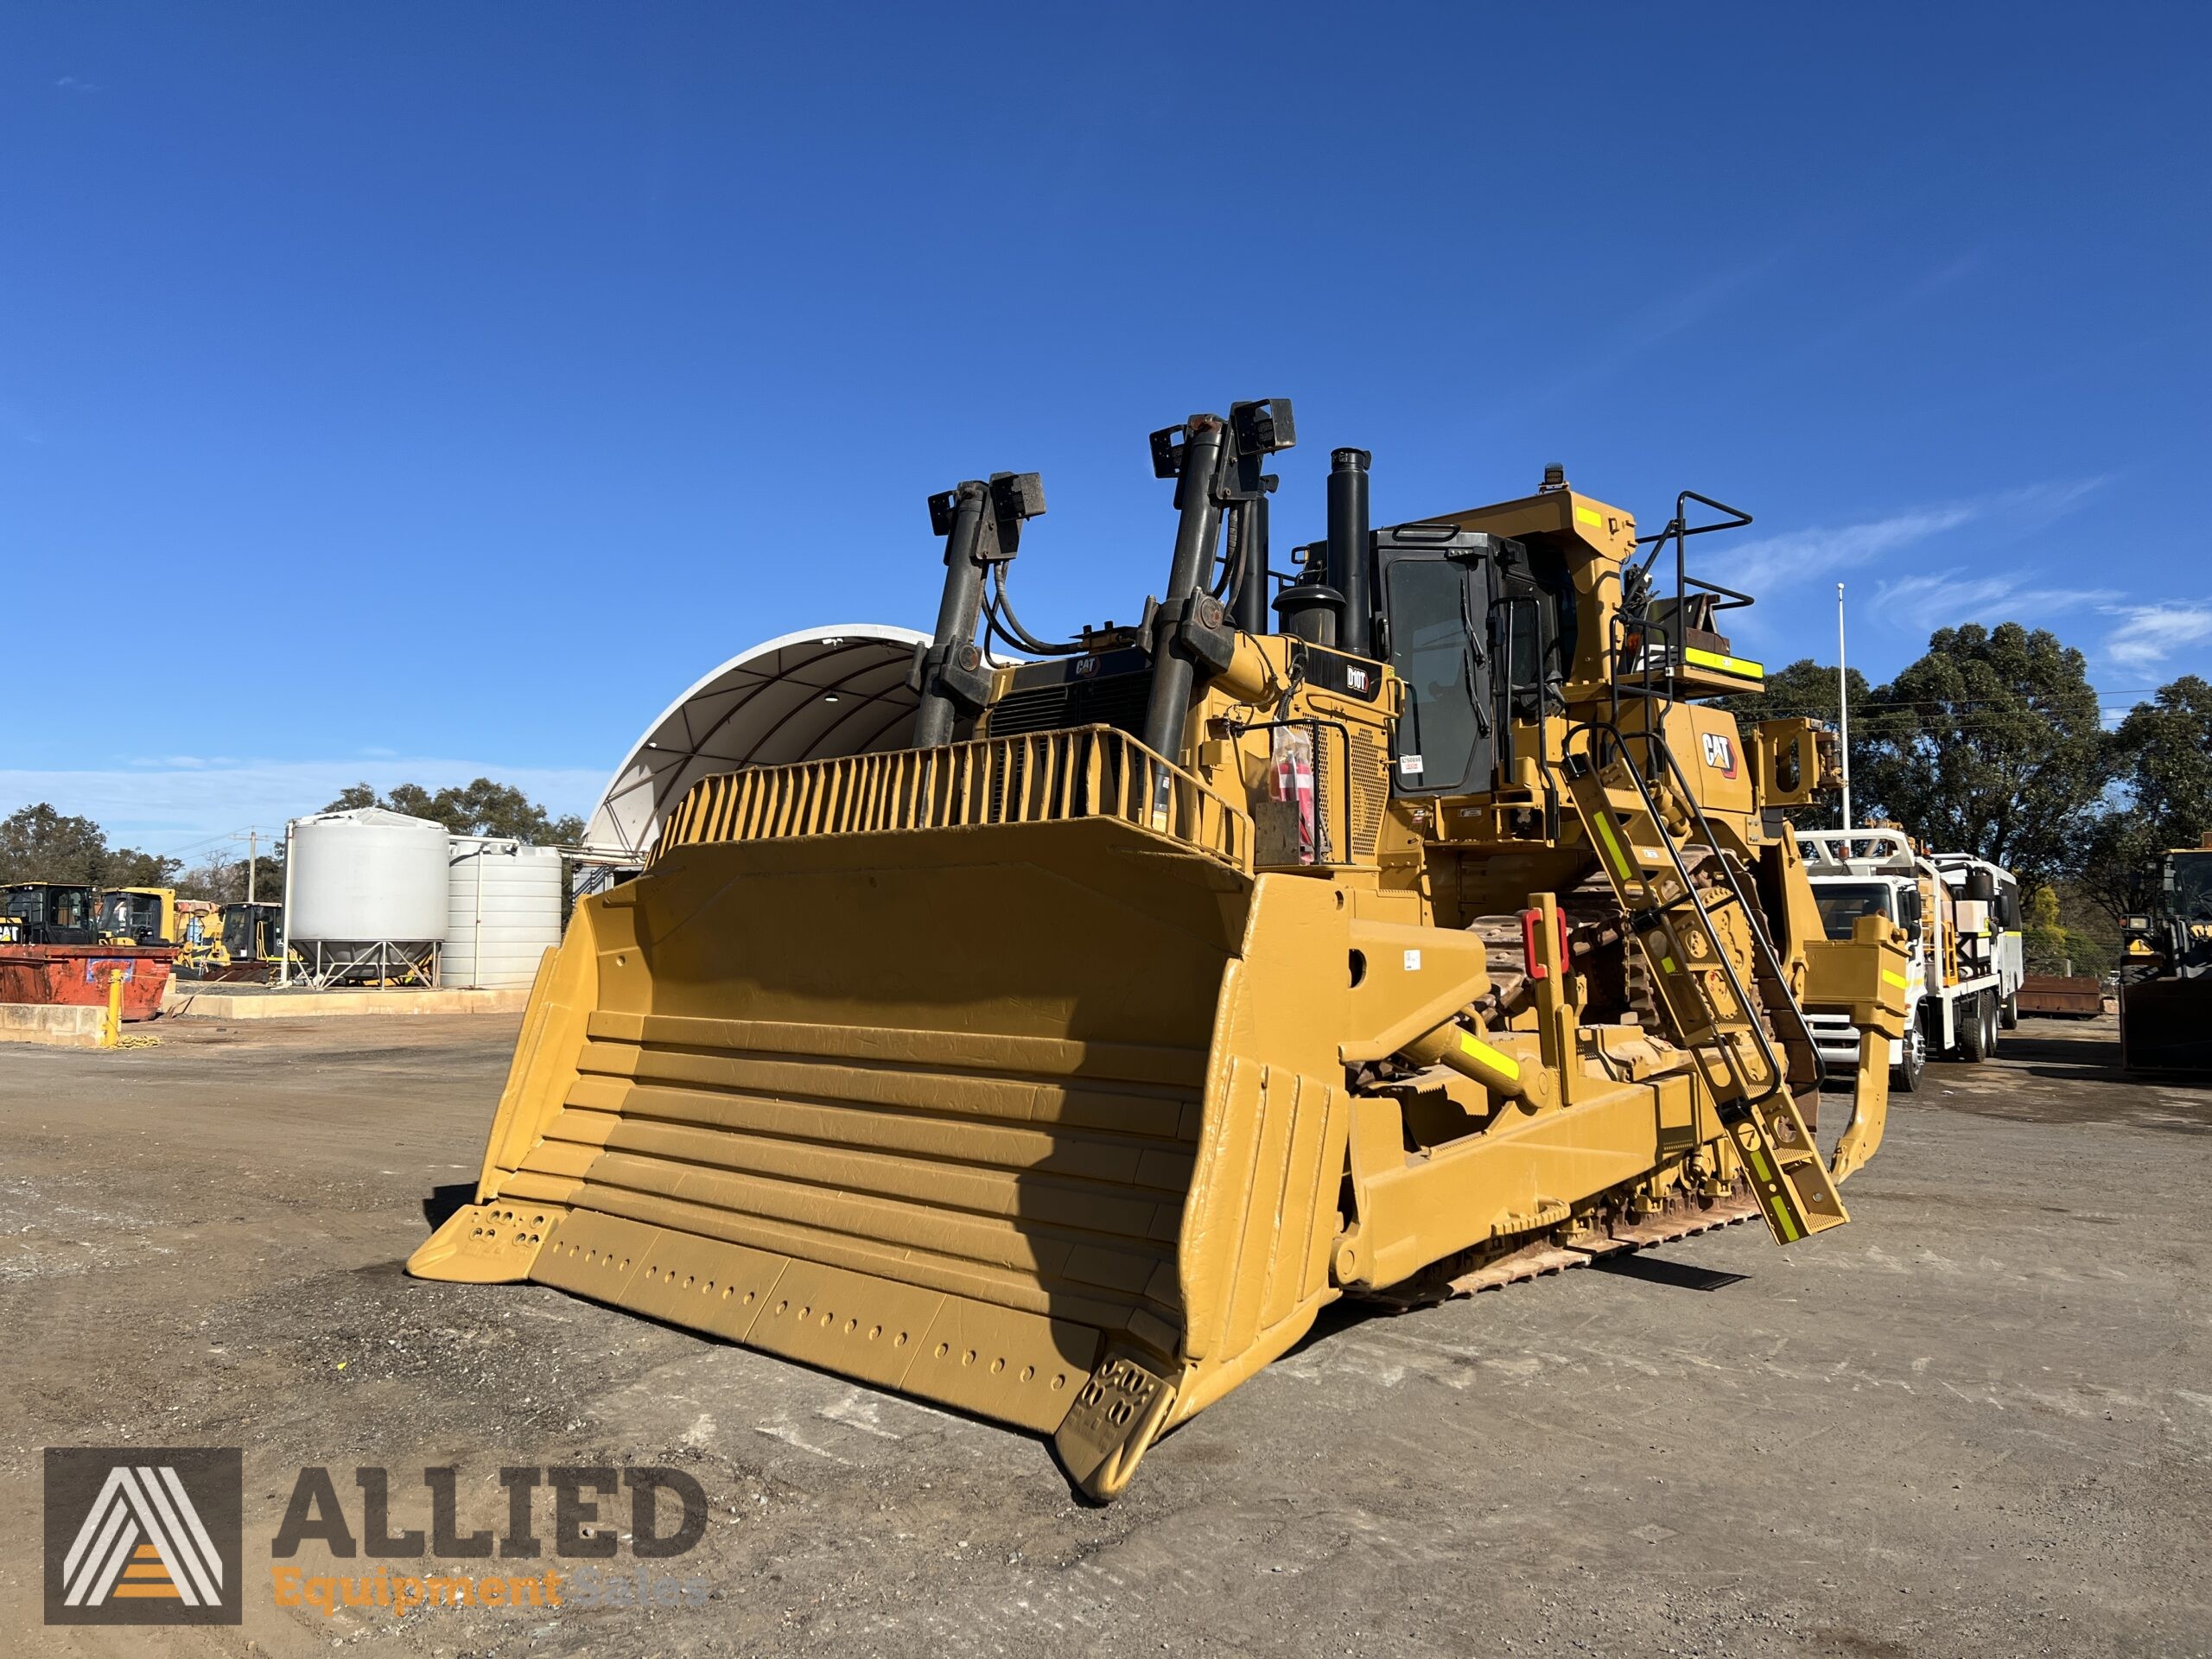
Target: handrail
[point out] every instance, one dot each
(1678, 531)
(1778, 1071)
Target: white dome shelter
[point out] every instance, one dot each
(812, 695)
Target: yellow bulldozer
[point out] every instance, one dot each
(141, 916)
(1180, 980)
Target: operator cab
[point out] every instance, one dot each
(130, 913)
(45, 912)
(2188, 884)
(1472, 623)
(253, 932)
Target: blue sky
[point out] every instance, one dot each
(489, 373)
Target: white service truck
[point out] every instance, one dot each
(1961, 918)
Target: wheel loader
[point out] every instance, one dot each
(1181, 978)
(2165, 994)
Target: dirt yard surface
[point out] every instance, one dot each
(1977, 1421)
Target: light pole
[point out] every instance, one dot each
(1842, 711)
(252, 839)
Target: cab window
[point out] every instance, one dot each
(1843, 903)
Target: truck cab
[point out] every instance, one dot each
(1961, 919)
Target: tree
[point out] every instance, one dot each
(224, 879)
(2052, 947)
(483, 807)
(2162, 754)
(1805, 689)
(2042, 939)
(1989, 744)
(38, 843)
(417, 801)
(126, 867)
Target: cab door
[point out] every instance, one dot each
(1435, 583)
(1914, 920)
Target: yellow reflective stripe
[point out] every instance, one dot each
(1785, 1223)
(1613, 846)
(1588, 515)
(1777, 1207)
(1489, 1056)
(1714, 659)
(1667, 964)
(1888, 978)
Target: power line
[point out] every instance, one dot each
(209, 841)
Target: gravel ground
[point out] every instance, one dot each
(1977, 1421)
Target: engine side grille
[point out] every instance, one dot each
(1118, 700)
(1370, 791)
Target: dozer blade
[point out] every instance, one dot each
(999, 1116)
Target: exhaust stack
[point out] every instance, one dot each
(1347, 566)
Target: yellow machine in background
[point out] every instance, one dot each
(249, 944)
(200, 935)
(1060, 1067)
(229, 941)
(214, 940)
(148, 916)
(48, 912)
(142, 916)
(2165, 994)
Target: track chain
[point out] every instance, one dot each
(1541, 1257)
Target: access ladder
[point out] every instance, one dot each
(1712, 1014)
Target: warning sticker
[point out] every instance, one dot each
(1408, 765)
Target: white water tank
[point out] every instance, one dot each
(503, 911)
(364, 876)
